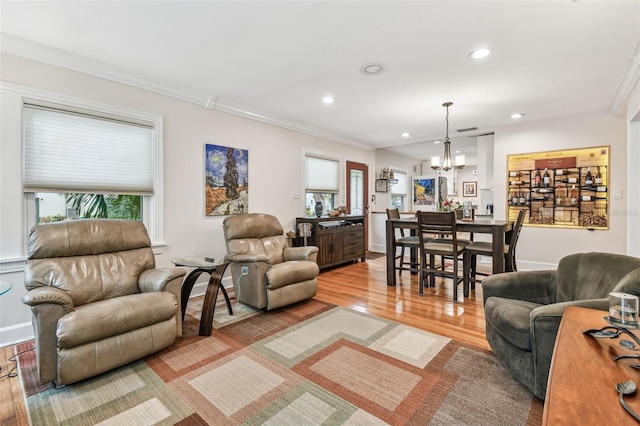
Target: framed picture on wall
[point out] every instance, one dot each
(469, 189)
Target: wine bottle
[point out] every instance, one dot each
(514, 200)
(521, 199)
(526, 202)
(588, 179)
(537, 178)
(574, 195)
(598, 177)
(546, 179)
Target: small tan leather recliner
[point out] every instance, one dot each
(274, 275)
(97, 300)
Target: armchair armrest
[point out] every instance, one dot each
(44, 295)
(299, 253)
(531, 286)
(545, 322)
(158, 279)
(48, 305)
(246, 258)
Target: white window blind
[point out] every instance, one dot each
(70, 151)
(321, 174)
(400, 187)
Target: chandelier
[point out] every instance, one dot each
(447, 163)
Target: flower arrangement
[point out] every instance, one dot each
(450, 205)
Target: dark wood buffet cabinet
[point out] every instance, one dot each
(339, 239)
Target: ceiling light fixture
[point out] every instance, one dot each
(446, 161)
(373, 68)
(480, 53)
(517, 115)
(406, 134)
(328, 99)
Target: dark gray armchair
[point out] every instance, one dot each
(523, 309)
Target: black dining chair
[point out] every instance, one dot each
(485, 248)
(442, 224)
(403, 241)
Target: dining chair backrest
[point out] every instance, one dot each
(394, 214)
(515, 233)
(440, 224)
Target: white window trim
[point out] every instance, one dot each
(153, 211)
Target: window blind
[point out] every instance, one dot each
(321, 174)
(400, 187)
(69, 151)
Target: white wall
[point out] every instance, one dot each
(275, 170)
(544, 246)
(633, 176)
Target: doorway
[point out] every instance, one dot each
(358, 194)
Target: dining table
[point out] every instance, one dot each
(496, 228)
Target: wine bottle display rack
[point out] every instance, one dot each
(571, 195)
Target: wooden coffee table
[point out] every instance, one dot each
(582, 381)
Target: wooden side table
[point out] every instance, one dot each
(583, 376)
(215, 268)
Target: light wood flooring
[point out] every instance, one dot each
(359, 286)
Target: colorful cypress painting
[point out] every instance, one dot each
(226, 181)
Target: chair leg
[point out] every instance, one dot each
(455, 279)
(401, 260)
(432, 276)
(466, 272)
(472, 272)
(421, 276)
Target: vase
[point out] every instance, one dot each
(318, 208)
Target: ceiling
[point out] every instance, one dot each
(279, 59)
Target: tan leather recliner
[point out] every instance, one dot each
(275, 275)
(97, 300)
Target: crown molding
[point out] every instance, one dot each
(61, 58)
(628, 82)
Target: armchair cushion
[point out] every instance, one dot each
(512, 319)
(114, 316)
(294, 271)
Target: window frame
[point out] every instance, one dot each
(152, 205)
(404, 194)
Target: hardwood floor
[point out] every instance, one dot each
(363, 287)
(359, 286)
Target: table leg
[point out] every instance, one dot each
(391, 276)
(498, 250)
(210, 297)
(187, 286)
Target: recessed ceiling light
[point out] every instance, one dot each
(406, 134)
(517, 115)
(373, 68)
(480, 53)
(328, 99)
(457, 152)
(436, 141)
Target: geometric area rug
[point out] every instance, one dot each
(311, 363)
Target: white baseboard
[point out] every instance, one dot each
(15, 334)
(377, 248)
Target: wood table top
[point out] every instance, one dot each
(583, 376)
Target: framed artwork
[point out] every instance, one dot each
(469, 189)
(226, 180)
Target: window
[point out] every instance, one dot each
(321, 183)
(399, 191)
(90, 160)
